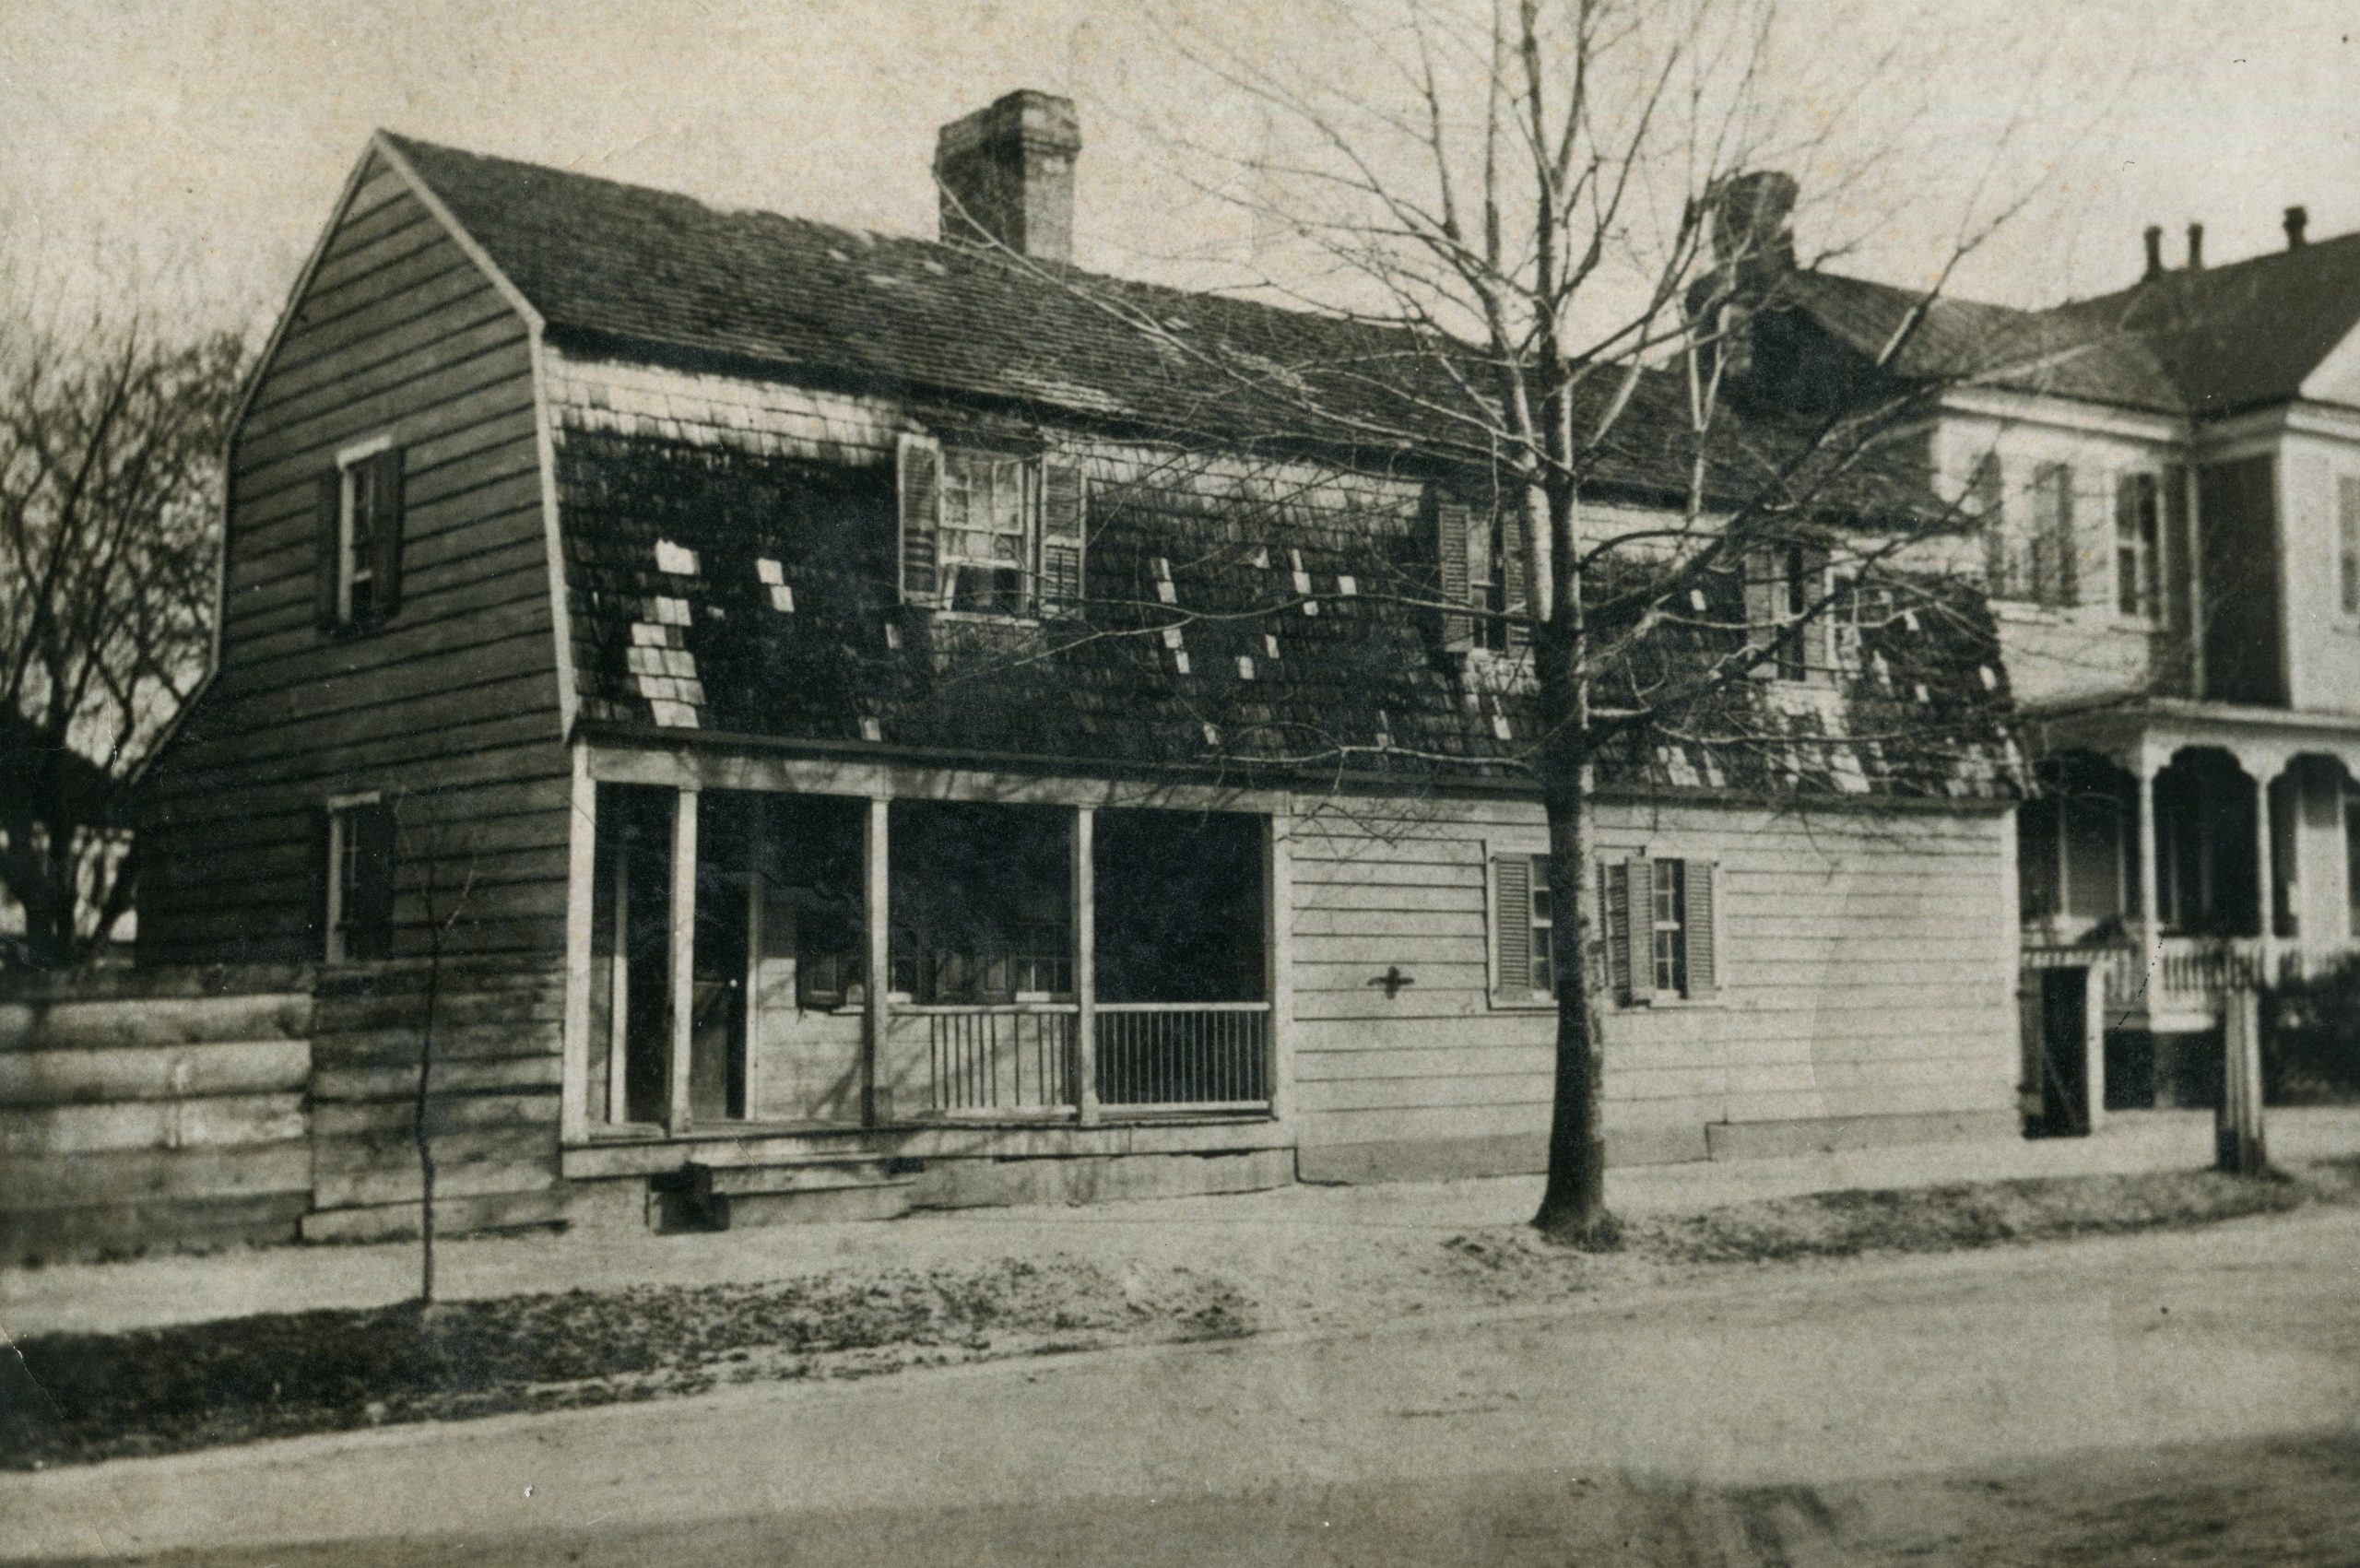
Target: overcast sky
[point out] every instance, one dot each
(211, 135)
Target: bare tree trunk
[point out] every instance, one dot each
(1573, 1206)
(418, 1125)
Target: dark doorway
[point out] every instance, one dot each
(726, 826)
(2064, 1054)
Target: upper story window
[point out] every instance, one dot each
(1481, 561)
(1787, 609)
(2347, 542)
(2138, 546)
(358, 525)
(2055, 566)
(359, 880)
(990, 531)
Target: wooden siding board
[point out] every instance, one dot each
(397, 330)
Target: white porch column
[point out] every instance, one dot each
(1085, 963)
(2151, 880)
(876, 953)
(2265, 869)
(619, 977)
(581, 875)
(684, 950)
(1278, 959)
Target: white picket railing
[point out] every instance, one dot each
(1198, 1056)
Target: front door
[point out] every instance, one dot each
(2063, 1064)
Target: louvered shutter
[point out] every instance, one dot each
(1763, 582)
(327, 536)
(1703, 937)
(919, 472)
(369, 922)
(1639, 927)
(1454, 547)
(1512, 927)
(1064, 533)
(1514, 547)
(1819, 633)
(385, 586)
(1614, 903)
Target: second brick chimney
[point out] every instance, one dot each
(1006, 175)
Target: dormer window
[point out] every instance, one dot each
(1481, 560)
(990, 532)
(359, 525)
(1785, 611)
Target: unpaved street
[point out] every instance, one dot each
(2175, 1398)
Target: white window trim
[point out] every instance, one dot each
(338, 807)
(1028, 556)
(349, 571)
(1689, 854)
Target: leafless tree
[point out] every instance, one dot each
(110, 439)
(447, 860)
(1549, 215)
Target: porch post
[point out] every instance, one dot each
(876, 954)
(618, 979)
(1085, 964)
(2265, 871)
(580, 873)
(684, 947)
(1278, 950)
(2151, 877)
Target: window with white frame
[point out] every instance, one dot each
(1660, 919)
(990, 518)
(359, 536)
(357, 915)
(2055, 566)
(990, 532)
(2138, 546)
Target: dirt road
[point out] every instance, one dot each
(2176, 1398)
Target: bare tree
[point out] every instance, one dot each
(448, 862)
(110, 438)
(1552, 220)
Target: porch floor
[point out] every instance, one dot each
(1315, 1235)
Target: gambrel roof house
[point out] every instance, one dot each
(2169, 479)
(877, 721)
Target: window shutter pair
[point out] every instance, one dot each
(1769, 618)
(1063, 522)
(384, 532)
(1627, 904)
(1463, 545)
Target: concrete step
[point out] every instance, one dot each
(726, 1197)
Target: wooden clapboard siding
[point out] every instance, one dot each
(452, 703)
(1866, 971)
(137, 1121)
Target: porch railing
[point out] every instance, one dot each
(1002, 1058)
(2192, 974)
(1200, 1055)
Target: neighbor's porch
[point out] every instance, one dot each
(807, 959)
(2179, 860)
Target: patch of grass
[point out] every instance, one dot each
(86, 1397)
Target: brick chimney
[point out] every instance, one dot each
(2196, 247)
(1006, 175)
(2297, 220)
(1752, 224)
(2154, 252)
(1754, 249)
